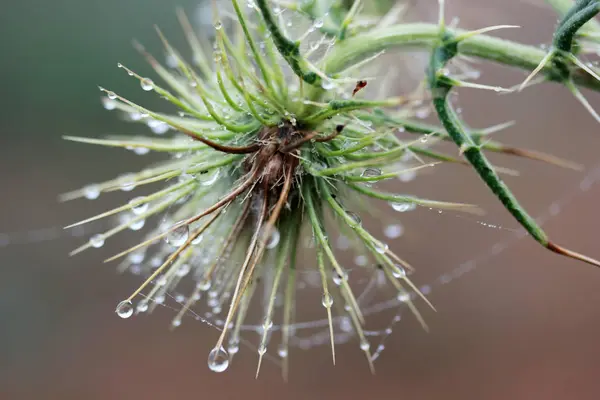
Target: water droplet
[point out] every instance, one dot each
(136, 257)
(204, 284)
(162, 280)
(371, 173)
(399, 272)
(338, 279)
(327, 300)
(318, 23)
(109, 104)
(381, 247)
(403, 297)
(142, 306)
(111, 95)
(91, 192)
(327, 84)
(393, 231)
(176, 322)
(178, 236)
(124, 309)
(183, 270)
(403, 207)
(282, 351)
(147, 84)
(364, 345)
(233, 347)
(346, 324)
(218, 359)
(127, 182)
(354, 219)
(97, 241)
(361, 260)
(138, 205)
(158, 127)
(137, 225)
(209, 177)
(140, 151)
(218, 25)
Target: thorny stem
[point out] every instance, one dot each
(441, 87)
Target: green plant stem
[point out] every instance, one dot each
(422, 35)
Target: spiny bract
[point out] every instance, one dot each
(256, 154)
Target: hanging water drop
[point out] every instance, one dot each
(233, 347)
(282, 351)
(399, 272)
(204, 284)
(91, 192)
(364, 345)
(137, 225)
(381, 247)
(124, 309)
(138, 205)
(97, 241)
(371, 173)
(142, 306)
(147, 84)
(338, 279)
(403, 207)
(140, 151)
(183, 270)
(127, 182)
(327, 300)
(218, 25)
(355, 219)
(109, 104)
(273, 240)
(209, 177)
(178, 236)
(218, 359)
(111, 95)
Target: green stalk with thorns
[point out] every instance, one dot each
(272, 135)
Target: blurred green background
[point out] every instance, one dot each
(524, 324)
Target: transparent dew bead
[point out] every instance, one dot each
(142, 306)
(371, 173)
(393, 231)
(127, 182)
(91, 192)
(111, 95)
(355, 219)
(147, 84)
(218, 25)
(282, 351)
(138, 205)
(140, 151)
(137, 225)
(178, 236)
(399, 272)
(176, 322)
(197, 239)
(124, 309)
(403, 207)
(381, 247)
(218, 360)
(338, 279)
(233, 347)
(403, 297)
(327, 300)
(209, 177)
(108, 104)
(364, 345)
(319, 23)
(204, 284)
(97, 241)
(183, 270)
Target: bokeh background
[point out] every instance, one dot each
(521, 324)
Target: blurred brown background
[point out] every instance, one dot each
(524, 324)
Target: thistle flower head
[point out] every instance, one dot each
(263, 143)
